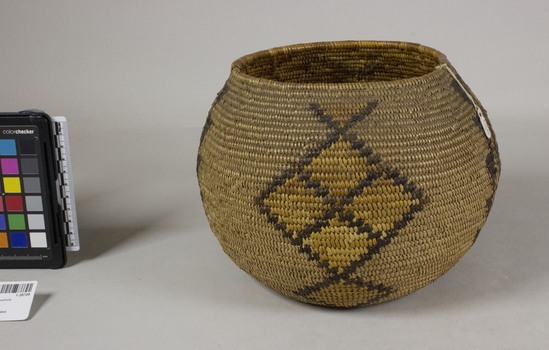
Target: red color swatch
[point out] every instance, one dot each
(14, 203)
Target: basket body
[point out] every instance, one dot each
(349, 173)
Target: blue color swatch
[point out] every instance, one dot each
(19, 240)
(7, 148)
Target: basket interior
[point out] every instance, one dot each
(347, 63)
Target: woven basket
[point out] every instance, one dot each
(347, 173)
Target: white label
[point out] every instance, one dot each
(484, 123)
(16, 300)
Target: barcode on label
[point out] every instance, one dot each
(16, 288)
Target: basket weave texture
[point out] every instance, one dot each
(347, 173)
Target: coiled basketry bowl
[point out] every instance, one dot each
(347, 173)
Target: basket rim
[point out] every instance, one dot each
(237, 65)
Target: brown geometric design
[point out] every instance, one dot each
(352, 293)
(340, 206)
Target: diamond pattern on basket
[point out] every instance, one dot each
(341, 205)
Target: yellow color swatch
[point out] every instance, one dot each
(3, 240)
(12, 185)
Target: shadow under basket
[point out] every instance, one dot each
(347, 173)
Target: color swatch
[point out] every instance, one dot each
(22, 221)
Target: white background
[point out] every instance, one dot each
(136, 79)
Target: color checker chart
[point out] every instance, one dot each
(37, 218)
(22, 223)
